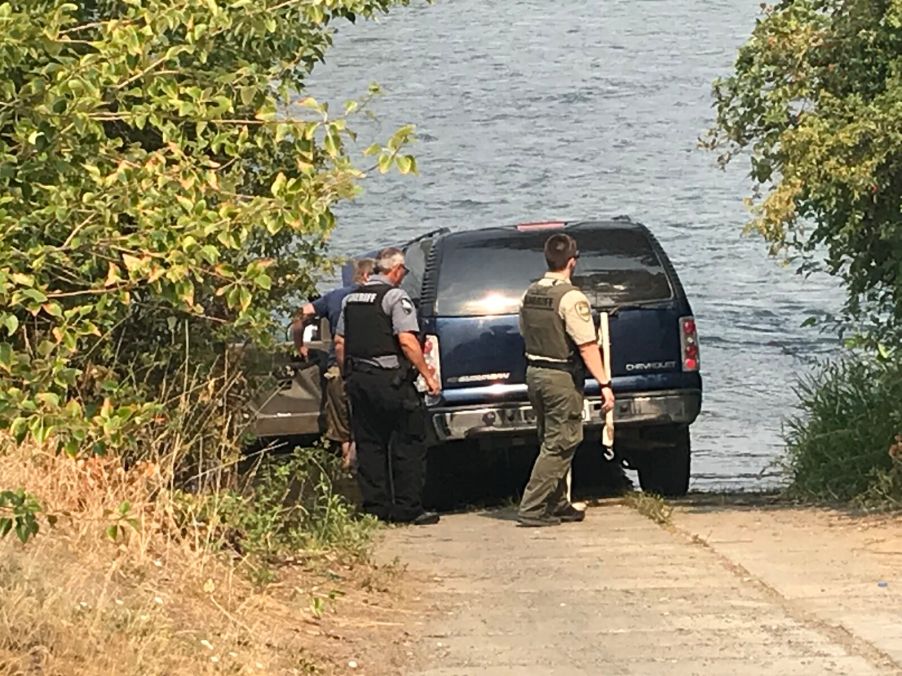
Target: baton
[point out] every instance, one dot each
(604, 341)
(607, 433)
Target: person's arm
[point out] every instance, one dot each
(410, 346)
(298, 326)
(339, 344)
(399, 306)
(591, 355)
(577, 315)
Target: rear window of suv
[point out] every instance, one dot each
(487, 275)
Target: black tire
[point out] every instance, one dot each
(665, 471)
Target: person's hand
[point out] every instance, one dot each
(432, 385)
(304, 352)
(607, 396)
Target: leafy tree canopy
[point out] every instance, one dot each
(815, 104)
(165, 187)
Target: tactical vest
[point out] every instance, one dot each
(368, 330)
(544, 330)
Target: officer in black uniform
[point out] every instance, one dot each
(377, 342)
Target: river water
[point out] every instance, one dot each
(530, 110)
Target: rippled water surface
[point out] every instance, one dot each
(529, 109)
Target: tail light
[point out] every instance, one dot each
(689, 343)
(433, 361)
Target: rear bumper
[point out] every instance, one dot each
(667, 407)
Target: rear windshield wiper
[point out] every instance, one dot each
(614, 309)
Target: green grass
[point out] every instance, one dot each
(844, 445)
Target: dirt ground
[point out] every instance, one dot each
(722, 588)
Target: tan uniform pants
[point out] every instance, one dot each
(335, 407)
(558, 406)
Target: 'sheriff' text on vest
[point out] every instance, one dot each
(368, 330)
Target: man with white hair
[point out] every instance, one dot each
(377, 343)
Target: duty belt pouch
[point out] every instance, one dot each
(406, 375)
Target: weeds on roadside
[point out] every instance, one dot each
(846, 444)
(168, 545)
(649, 505)
(284, 509)
(182, 571)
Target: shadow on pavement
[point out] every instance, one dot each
(466, 477)
(500, 514)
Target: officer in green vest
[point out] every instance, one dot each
(561, 344)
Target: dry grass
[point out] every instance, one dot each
(158, 602)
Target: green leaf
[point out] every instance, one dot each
(278, 185)
(267, 112)
(332, 144)
(11, 323)
(6, 357)
(244, 299)
(247, 95)
(53, 309)
(406, 164)
(72, 447)
(48, 398)
(19, 429)
(26, 529)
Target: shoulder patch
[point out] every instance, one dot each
(583, 310)
(407, 306)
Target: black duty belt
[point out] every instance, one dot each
(567, 366)
(368, 367)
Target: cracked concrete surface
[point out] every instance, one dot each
(719, 590)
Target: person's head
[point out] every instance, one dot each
(390, 264)
(561, 253)
(363, 268)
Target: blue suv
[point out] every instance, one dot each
(467, 286)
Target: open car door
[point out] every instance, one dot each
(292, 407)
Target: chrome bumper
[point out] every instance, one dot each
(669, 407)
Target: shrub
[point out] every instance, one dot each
(18, 513)
(166, 189)
(846, 443)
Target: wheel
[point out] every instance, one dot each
(665, 471)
